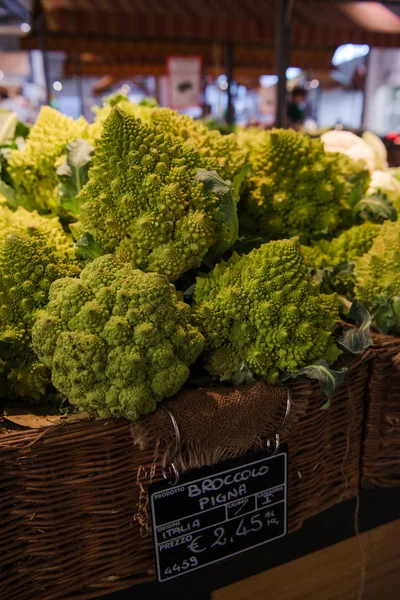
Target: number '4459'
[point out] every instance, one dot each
(186, 564)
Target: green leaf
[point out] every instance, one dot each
(247, 243)
(229, 221)
(243, 375)
(188, 293)
(8, 192)
(357, 339)
(327, 377)
(375, 208)
(22, 130)
(148, 101)
(114, 98)
(87, 247)
(359, 184)
(385, 317)
(212, 182)
(73, 174)
(239, 182)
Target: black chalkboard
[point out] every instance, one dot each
(218, 512)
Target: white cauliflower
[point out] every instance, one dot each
(350, 144)
(378, 148)
(383, 183)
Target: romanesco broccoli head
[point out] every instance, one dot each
(33, 168)
(294, 187)
(141, 200)
(377, 278)
(34, 252)
(337, 256)
(345, 248)
(117, 340)
(221, 153)
(263, 309)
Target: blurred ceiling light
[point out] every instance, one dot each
(348, 52)
(293, 72)
(372, 15)
(1, 75)
(314, 83)
(268, 80)
(25, 27)
(57, 85)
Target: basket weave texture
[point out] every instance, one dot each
(73, 500)
(381, 447)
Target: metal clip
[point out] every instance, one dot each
(273, 443)
(172, 474)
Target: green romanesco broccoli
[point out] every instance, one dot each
(377, 278)
(294, 187)
(141, 200)
(33, 168)
(263, 309)
(345, 248)
(34, 251)
(221, 153)
(117, 340)
(337, 256)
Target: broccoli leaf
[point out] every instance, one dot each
(386, 313)
(246, 243)
(239, 182)
(327, 377)
(73, 174)
(357, 339)
(228, 213)
(359, 184)
(212, 182)
(8, 193)
(87, 247)
(22, 130)
(243, 375)
(148, 101)
(114, 99)
(375, 208)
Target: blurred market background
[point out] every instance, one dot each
(227, 61)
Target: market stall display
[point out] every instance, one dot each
(163, 260)
(75, 516)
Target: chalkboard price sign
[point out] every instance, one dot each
(218, 512)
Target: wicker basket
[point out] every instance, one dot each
(69, 494)
(381, 447)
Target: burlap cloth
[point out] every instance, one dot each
(220, 423)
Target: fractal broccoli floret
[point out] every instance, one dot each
(221, 153)
(377, 278)
(345, 248)
(263, 309)
(117, 340)
(33, 169)
(294, 187)
(142, 202)
(337, 256)
(34, 251)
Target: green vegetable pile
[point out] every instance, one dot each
(145, 252)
